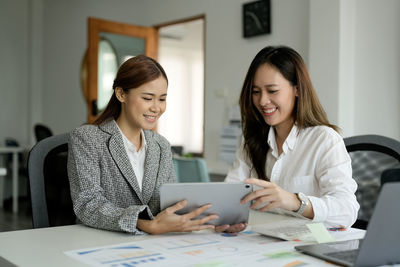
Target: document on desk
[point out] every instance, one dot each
(296, 229)
(287, 228)
(197, 249)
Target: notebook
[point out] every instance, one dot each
(381, 244)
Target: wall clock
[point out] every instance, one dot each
(256, 18)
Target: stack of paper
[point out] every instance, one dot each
(229, 142)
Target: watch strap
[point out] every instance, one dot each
(303, 203)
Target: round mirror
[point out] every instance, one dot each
(107, 69)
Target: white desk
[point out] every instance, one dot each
(14, 151)
(46, 246)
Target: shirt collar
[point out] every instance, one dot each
(292, 137)
(272, 141)
(131, 147)
(289, 142)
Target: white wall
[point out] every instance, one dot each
(228, 55)
(65, 42)
(324, 54)
(355, 64)
(43, 42)
(14, 69)
(377, 68)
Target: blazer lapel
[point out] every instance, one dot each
(118, 152)
(151, 166)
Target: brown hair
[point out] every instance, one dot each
(307, 110)
(133, 73)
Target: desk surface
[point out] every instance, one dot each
(46, 246)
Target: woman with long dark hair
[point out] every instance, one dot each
(117, 165)
(291, 152)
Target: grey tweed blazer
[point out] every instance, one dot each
(104, 189)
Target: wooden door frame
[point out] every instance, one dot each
(95, 26)
(179, 21)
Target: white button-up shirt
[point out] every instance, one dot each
(315, 162)
(137, 158)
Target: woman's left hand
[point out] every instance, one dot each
(270, 196)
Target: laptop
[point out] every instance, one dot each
(381, 244)
(224, 198)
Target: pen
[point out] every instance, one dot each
(337, 229)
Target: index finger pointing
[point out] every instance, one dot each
(258, 182)
(248, 198)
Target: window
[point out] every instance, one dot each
(181, 53)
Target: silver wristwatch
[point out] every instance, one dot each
(304, 202)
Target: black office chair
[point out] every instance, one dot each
(371, 155)
(42, 132)
(49, 184)
(177, 150)
(390, 175)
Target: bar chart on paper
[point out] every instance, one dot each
(243, 249)
(119, 255)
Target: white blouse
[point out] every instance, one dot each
(315, 162)
(136, 158)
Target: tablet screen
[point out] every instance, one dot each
(223, 197)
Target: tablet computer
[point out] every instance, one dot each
(223, 197)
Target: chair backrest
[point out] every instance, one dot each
(372, 142)
(190, 170)
(49, 184)
(371, 155)
(42, 132)
(177, 150)
(390, 175)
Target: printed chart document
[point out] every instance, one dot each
(198, 249)
(299, 229)
(292, 229)
(285, 226)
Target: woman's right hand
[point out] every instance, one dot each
(236, 228)
(168, 221)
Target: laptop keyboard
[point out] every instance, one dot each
(346, 255)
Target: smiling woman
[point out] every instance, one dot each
(117, 165)
(141, 108)
(290, 151)
(274, 96)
